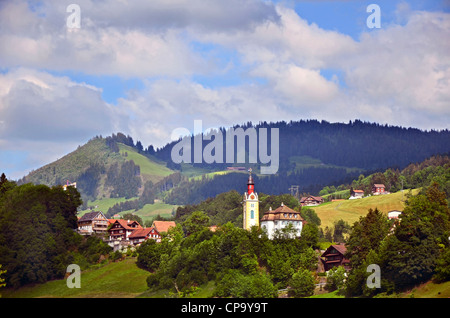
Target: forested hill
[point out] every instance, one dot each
(312, 155)
(356, 144)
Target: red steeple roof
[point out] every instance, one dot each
(250, 184)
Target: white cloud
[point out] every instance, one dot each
(141, 38)
(398, 74)
(38, 106)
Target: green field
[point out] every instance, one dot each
(150, 170)
(351, 210)
(149, 211)
(114, 280)
(104, 204)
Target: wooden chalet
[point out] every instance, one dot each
(311, 200)
(93, 223)
(121, 229)
(140, 235)
(378, 189)
(335, 256)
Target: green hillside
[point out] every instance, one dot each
(114, 280)
(150, 170)
(90, 165)
(150, 211)
(72, 165)
(351, 210)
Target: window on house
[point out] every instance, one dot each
(252, 214)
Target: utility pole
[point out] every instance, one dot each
(294, 190)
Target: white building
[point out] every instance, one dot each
(394, 214)
(280, 218)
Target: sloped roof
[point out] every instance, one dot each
(282, 213)
(338, 247)
(126, 224)
(311, 196)
(140, 232)
(163, 226)
(378, 185)
(90, 216)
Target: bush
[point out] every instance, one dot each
(335, 278)
(302, 284)
(236, 284)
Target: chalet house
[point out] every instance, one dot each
(142, 234)
(356, 194)
(278, 219)
(311, 200)
(161, 227)
(335, 256)
(93, 223)
(378, 189)
(121, 229)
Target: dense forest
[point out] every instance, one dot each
(310, 180)
(357, 144)
(37, 237)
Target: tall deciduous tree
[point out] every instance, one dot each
(411, 254)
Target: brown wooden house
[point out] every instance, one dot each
(142, 234)
(311, 200)
(121, 229)
(93, 223)
(335, 256)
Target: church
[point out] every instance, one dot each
(272, 220)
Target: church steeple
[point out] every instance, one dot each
(250, 184)
(251, 204)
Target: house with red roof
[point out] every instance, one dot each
(161, 227)
(121, 229)
(140, 235)
(378, 189)
(335, 256)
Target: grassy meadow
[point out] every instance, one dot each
(150, 170)
(351, 210)
(121, 279)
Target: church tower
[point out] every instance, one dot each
(251, 205)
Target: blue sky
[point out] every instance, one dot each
(149, 67)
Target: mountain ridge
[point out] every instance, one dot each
(313, 154)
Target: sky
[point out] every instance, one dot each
(147, 67)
